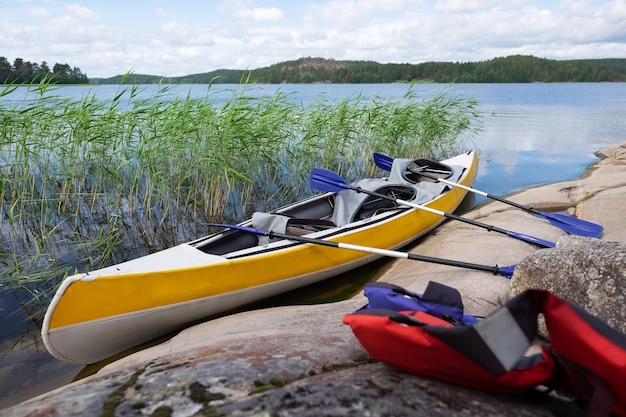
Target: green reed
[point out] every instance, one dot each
(87, 183)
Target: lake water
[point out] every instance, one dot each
(531, 134)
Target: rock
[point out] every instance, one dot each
(286, 361)
(378, 390)
(601, 191)
(238, 387)
(589, 273)
(606, 208)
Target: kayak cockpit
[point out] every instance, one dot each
(329, 211)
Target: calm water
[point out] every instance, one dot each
(531, 134)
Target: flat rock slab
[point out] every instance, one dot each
(378, 390)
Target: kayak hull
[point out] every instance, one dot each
(98, 314)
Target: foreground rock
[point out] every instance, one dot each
(590, 273)
(302, 360)
(299, 360)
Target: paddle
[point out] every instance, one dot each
(565, 222)
(327, 180)
(505, 271)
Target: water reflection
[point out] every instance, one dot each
(521, 147)
(26, 368)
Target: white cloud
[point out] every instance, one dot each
(69, 30)
(396, 6)
(181, 34)
(272, 14)
(39, 12)
(344, 12)
(80, 11)
(244, 10)
(161, 12)
(459, 6)
(174, 31)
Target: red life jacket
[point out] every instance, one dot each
(586, 357)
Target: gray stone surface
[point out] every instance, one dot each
(302, 360)
(378, 390)
(589, 273)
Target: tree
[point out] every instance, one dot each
(23, 72)
(6, 70)
(61, 70)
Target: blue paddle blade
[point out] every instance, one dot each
(242, 228)
(507, 271)
(326, 180)
(383, 162)
(531, 239)
(573, 225)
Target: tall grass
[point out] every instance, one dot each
(88, 182)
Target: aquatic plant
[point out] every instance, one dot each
(89, 182)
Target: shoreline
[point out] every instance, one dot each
(300, 345)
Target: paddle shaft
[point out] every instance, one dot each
(475, 191)
(564, 222)
(385, 252)
(330, 181)
(444, 214)
(567, 223)
(505, 271)
(386, 162)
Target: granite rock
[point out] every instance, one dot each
(589, 273)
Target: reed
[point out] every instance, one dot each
(86, 183)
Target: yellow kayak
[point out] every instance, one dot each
(98, 314)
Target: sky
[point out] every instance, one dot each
(171, 38)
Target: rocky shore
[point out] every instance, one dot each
(301, 360)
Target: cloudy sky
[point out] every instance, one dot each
(170, 38)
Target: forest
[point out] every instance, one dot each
(511, 69)
(26, 72)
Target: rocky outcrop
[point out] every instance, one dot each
(589, 273)
(287, 361)
(301, 360)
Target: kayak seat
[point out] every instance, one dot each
(232, 241)
(373, 205)
(286, 224)
(299, 227)
(350, 206)
(429, 167)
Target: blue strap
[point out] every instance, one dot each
(438, 300)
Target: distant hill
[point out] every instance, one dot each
(615, 64)
(223, 76)
(511, 69)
